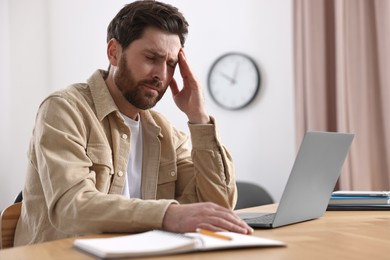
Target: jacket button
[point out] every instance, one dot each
(173, 173)
(124, 136)
(120, 173)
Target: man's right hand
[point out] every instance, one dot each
(206, 215)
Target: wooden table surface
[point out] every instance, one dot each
(336, 235)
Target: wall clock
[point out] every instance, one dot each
(234, 80)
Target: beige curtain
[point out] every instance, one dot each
(342, 81)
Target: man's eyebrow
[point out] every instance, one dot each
(160, 55)
(155, 53)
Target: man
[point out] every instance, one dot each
(102, 161)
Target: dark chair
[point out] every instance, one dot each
(251, 195)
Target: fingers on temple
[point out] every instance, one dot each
(185, 69)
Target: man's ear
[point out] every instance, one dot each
(114, 51)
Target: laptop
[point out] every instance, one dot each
(311, 182)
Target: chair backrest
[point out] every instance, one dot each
(8, 220)
(251, 195)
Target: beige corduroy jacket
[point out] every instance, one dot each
(78, 161)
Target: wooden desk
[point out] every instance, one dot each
(337, 235)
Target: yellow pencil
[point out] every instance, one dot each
(212, 234)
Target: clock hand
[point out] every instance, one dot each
(230, 79)
(236, 71)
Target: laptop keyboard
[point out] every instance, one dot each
(263, 219)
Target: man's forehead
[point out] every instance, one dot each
(160, 41)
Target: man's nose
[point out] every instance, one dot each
(160, 72)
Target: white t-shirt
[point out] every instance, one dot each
(134, 166)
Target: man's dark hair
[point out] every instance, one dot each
(129, 24)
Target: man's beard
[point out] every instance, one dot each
(130, 88)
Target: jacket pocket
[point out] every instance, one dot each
(102, 165)
(167, 180)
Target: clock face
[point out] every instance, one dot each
(234, 80)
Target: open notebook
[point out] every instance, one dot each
(157, 242)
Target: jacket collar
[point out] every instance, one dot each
(104, 103)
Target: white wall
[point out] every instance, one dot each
(51, 44)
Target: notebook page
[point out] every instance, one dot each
(238, 241)
(147, 243)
